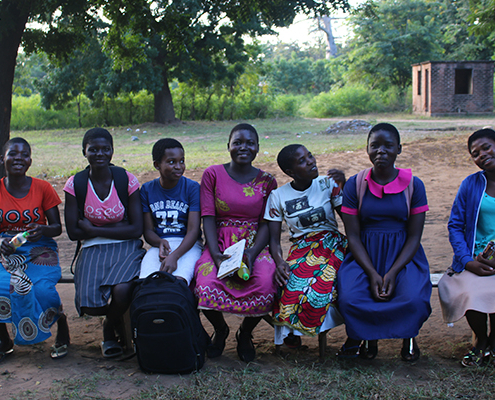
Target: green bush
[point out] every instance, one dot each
(286, 105)
(220, 102)
(348, 100)
(28, 114)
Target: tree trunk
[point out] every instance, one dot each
(10, 38)
(207, 106)
(192, 114)
(79, 110)
(131, 107)
(325, 24)
(164, 106)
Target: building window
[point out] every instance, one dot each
(463, 81)
(419, 83)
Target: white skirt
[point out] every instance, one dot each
(463, 291)
(185, 265)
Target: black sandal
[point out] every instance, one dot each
(245, 346)
(348, 352)
(215, 349)
(411, 353)
(368, 349)
(473, 358)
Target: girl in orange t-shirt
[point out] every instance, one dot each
(29, 273)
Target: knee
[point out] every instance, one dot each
(122, 293)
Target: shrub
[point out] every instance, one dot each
(287, 105)
(348, 100)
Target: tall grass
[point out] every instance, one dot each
(210, 104)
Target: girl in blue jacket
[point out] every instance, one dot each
(467, 286)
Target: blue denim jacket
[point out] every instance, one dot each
(464, 219)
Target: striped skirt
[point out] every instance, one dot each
(100, 267)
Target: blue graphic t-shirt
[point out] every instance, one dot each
(170, 207)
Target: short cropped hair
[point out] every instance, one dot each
(13, 141)
(285, 157)
(482, 133)
(244, 127)
(96, 133)
(160, 146)
(384, 127)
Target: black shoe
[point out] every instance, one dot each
(215, 349)
(368, 349)
(245, 346)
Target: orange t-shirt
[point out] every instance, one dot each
(15, 213)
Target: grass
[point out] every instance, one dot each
(294, 380)
(57, 153)
(328, 382)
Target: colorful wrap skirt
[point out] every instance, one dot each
(251, 298)
(314, 261)
(28, 297)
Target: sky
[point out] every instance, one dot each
(303, 29)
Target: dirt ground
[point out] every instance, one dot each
(441, 163)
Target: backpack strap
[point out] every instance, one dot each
(361, 186)
(408, 192)
(81, 189)
(121, 183)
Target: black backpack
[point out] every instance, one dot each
(167, 331)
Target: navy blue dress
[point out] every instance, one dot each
(383, 224)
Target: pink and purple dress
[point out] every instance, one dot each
(238, 210)
(383, 219)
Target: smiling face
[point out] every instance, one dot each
(483, 153)
(17, 159)
(383, 148)
(171, 167)
(243, 147)
(99, 152)
(303, 166)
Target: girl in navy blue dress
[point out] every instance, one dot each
(384, 282)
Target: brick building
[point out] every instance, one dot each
(452, 87)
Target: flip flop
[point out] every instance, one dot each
(4, 354)
(111, 349)
(59, 351)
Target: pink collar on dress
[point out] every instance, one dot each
(398, 185)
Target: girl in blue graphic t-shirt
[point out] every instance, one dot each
(171, 210)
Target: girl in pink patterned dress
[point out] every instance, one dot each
(233, 199)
